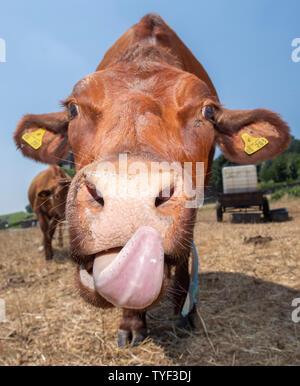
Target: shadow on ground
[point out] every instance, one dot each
(61, 256)
(241, 320)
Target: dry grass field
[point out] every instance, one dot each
(244, 307)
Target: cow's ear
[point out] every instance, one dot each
(248, 136)
(44, 137)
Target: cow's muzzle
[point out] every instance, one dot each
(125, 220)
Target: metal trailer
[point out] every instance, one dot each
(248, 202)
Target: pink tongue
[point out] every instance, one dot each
(133, 278)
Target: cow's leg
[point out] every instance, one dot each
(60, 235)
(45, 227)
(180, 290)
(52, 226)
(133, 328)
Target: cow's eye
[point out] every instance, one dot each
(73, 110)
(208, 112)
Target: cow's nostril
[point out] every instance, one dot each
(97, 196)
(164, 196)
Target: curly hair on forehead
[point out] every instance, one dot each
(141, 53)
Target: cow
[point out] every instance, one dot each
(47, 196)
(149, 102)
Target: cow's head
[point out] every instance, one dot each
(148, 111)
(54, 198)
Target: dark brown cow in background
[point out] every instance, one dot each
(151, 101)
(47, 196)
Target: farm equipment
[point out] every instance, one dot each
(245, 204)
(4, 222)
(29, 223)
(241, 196)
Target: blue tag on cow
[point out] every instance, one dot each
(191, 298)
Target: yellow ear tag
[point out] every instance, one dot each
(252, 144)
(34, 139)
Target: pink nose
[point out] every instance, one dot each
(127, 188)
(113, 201)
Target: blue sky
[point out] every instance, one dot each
(245, 46)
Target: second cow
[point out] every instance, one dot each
(47, 196)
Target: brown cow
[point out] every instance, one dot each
(149, 102)
(47, 196)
